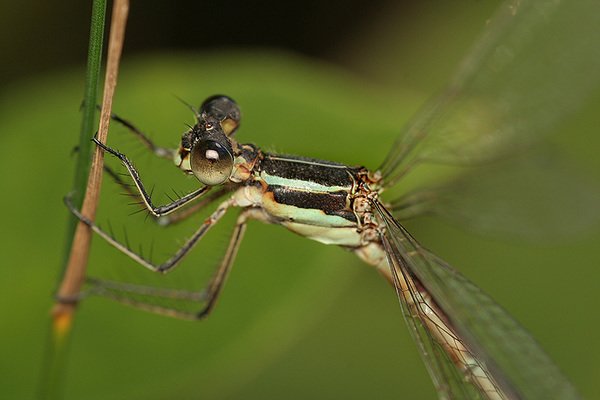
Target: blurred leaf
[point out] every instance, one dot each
(292, 105)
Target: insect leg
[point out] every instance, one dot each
(175, 258)
(216, 283)
(162, 152)
(126, 292)
(177, 215)
(156, 211)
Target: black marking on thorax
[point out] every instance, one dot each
(325, 173)
(331, 203)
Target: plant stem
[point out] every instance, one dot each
(74, 273)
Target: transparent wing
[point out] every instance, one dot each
(537, 196)
(486, 344)
(533, 65)
(438, 346)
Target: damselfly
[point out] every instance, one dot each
(471, 346)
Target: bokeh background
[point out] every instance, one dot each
(333, 80)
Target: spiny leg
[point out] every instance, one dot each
(156, 211)
(119, 291)
(178, 215)
(183, 214)
(175, 258)
(218, 280)
(162, 152)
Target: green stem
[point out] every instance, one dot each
(55, 359)
(88, 120)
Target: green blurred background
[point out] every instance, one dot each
(297, 319)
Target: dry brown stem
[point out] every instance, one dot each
(74, 276)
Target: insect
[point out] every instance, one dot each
(471, 346)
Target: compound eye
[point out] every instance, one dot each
(211, 162)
